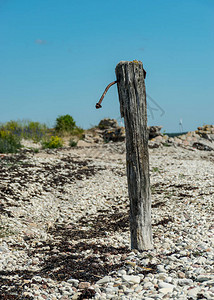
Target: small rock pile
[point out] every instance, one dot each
(191, 140)
(154, 131)
(107, 130)
(206, 131)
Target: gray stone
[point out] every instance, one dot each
(185, 281)
(209, 283)
(154, 131)
(104, 280)
(202, 278)
(108, 123)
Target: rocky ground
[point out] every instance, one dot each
(64, 231)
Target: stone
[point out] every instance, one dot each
(121, 272)
(154, 131)
(153, 144)
(108, 123)
(202, 146)
(201, 260)
(84, 285)
(104, 280)
(73, 281)
(82, 143)
(181, 275)
(210, 283)
(148, 285)
(128, 291)
(114, 134)
(132, 279)
(202, 278)
(185, 281)
(193, 292)
(162, 276)
(166, 290)
(160, 269)
(4, 248)
(163, 285)
(76, 296)
(109, 296)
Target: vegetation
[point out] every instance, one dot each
(26, 129)
(78, 132)
(65, 124)
(166, 145)
(53, 142)
(9, 143)
(72, 143)
(12, 132)
(5, 231)
(155, 169)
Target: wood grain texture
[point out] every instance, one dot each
(132, 97)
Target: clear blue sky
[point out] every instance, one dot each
(57, 57)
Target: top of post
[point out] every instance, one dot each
(131, 65)
(124, 62)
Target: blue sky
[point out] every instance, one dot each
(57, 57)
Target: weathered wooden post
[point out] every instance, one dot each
(132, 97)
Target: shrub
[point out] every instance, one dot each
(13, 126)
(54, 142)
(26, 129)
(155, 169)
(72, 143)
(9, 143)
(34, 130)
(78, 131)
(65, 124)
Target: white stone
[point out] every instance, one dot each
(121, 272)
(201, 260)
(165, 290)
(166, 285)
(193, 292)
(148, 285)
(131, 279)
(161, 269)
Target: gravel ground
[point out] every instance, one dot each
(64, 228)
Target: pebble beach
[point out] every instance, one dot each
(64, 227)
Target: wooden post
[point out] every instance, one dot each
(132, 97)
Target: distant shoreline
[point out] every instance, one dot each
(173, 134)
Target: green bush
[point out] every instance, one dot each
(9, 143)
(72, 143)
(53, 142)
(65, 124)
